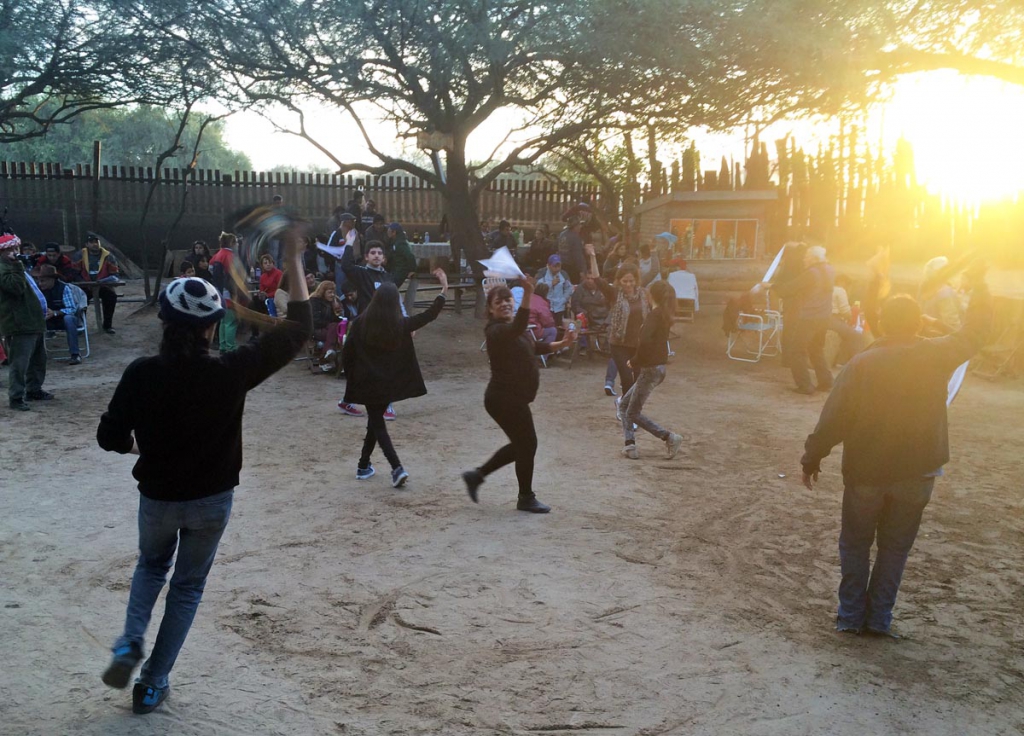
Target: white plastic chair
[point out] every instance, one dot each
(687, 294)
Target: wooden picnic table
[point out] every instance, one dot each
(457, 287)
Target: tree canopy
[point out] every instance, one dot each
(131, 137)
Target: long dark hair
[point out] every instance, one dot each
(383, 319)
(183, 341)
(664, 296)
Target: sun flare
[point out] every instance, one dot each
(965, 133)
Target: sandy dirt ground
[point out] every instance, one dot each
(692, 596)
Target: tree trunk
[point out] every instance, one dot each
(464, 219)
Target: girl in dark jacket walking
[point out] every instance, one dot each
(380, 361)
(512, 388)
(648, 362)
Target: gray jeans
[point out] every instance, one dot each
(28, 365)
(633, 401)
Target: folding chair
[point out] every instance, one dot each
(687, 295)
(763, 326)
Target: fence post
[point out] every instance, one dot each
(97, 150)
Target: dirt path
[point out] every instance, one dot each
(692, 596)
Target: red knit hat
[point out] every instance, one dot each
(9, 240)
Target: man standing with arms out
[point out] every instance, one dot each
(99, 266)
(812, 292)
(888, 409)
(22, 321)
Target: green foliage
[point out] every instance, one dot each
(129, 137)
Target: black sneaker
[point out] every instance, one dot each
(20, 406)
(146, 698)
(39, 396)
(532, 505)
(111, 331)
(75, 360)
(119, 671)
(472, 479)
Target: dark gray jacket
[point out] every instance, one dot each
(888, 405)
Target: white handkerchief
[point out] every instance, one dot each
(502, 264)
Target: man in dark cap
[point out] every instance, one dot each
(99, 266)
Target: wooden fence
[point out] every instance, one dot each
(52, 202)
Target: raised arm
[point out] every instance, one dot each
(431, 313)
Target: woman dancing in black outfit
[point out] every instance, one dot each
(513, 386)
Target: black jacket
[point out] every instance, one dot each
(653, 348)
(512, 353)
(186, 415)
(366, 280)
(378, 376)
(888, 405)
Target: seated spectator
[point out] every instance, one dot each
(325, 307)
(541, 248)
(311, 260)
(502, 238)
(543, 321)
(98, 266)
(590, 301)
(842, 321)
(203, 269)
(199, 249)
(350, 304)
(940, 302)
(187, 270)
(270, 277)
(29, 253)
(66, 270)
(65, 304)
(559, 286)
(650, 267)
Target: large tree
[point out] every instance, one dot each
(558, 72)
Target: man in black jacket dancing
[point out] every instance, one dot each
(888, 409)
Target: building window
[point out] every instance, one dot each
(705, 240)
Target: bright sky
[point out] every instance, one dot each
(965, 132)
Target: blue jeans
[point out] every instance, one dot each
(892, 513)
(193, 528)
(631, 406)
(68, 323)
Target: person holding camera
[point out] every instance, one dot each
(22, 322)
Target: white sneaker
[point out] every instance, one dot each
(630, 452)
(330, 354)
(672, 445)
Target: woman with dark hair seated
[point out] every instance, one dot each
(324, 306)
(380, 361)
(541, 317)
(512, 388)
(199, 250)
